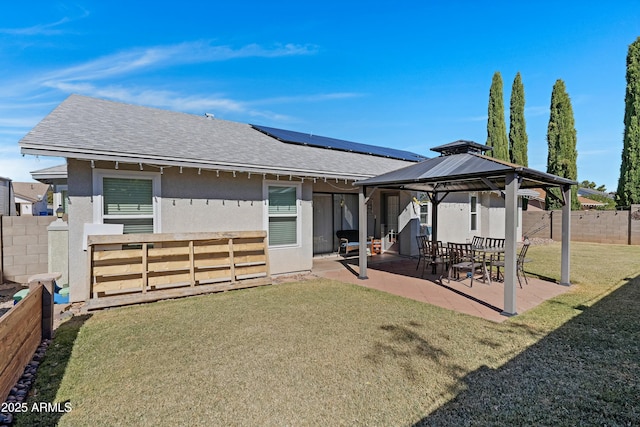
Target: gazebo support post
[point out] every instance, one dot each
(434, 216)
(566, 236)
(510, 245)
(362, 221)
(434, 230)
(435, 202)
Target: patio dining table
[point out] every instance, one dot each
(491, 250)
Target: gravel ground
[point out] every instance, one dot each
(61, 311)
(6, 295)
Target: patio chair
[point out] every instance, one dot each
(477, 242)
(520, 261)
(490, 242)
(437, 255)
(462, 257)
(423, 254)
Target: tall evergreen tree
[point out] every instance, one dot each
(496, 128)
(629, 182)
(518, 139)
(562, 139)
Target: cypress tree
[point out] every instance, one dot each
(496, 128)
(518, 139)
(562, 139)
(629, 182)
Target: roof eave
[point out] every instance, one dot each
(190, 163)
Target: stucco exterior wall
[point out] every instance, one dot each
(453, 218)
(192, 202)
(408, 224)
(454, 224)
(80, 210)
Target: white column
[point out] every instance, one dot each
(510, 244)
(362, 224)
(566, 237)
(58, 241)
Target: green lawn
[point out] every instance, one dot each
(327, 353)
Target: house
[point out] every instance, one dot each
(161, 171)
(56, 177)
(7, 204)
(158, 171)
(31, 198)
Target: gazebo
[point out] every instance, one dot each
(463, 167)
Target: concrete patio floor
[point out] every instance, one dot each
(398, 275)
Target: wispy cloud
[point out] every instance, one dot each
(528, 112)
(49, 29)
(475, 119)
(137, 60)
(319, 97)
(536, 111)
(20, 122)
(218, 104)
(583, 153)
(99, 78)
(17, 167)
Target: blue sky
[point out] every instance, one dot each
(410, 75)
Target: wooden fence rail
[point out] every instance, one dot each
(20, 336)
(133, 268)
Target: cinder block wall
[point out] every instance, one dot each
(615, 227)
(24, 246)
(536, 224)
(596, 226)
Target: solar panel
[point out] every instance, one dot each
(300, 138)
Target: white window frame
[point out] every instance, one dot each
(265, 194)
(472, 213)
(98, 199)
(424, 204)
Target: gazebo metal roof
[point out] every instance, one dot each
(462, 167)
(462, 172)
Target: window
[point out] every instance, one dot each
(425, 228)
(127, 199)
(424, 213)
(473, 209)
(283, 214)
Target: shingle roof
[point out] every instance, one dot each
(89, 128)
(31, 191)
(52, 175)
(53, 170)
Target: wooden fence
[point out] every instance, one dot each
(20, 336)
(134, 268)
